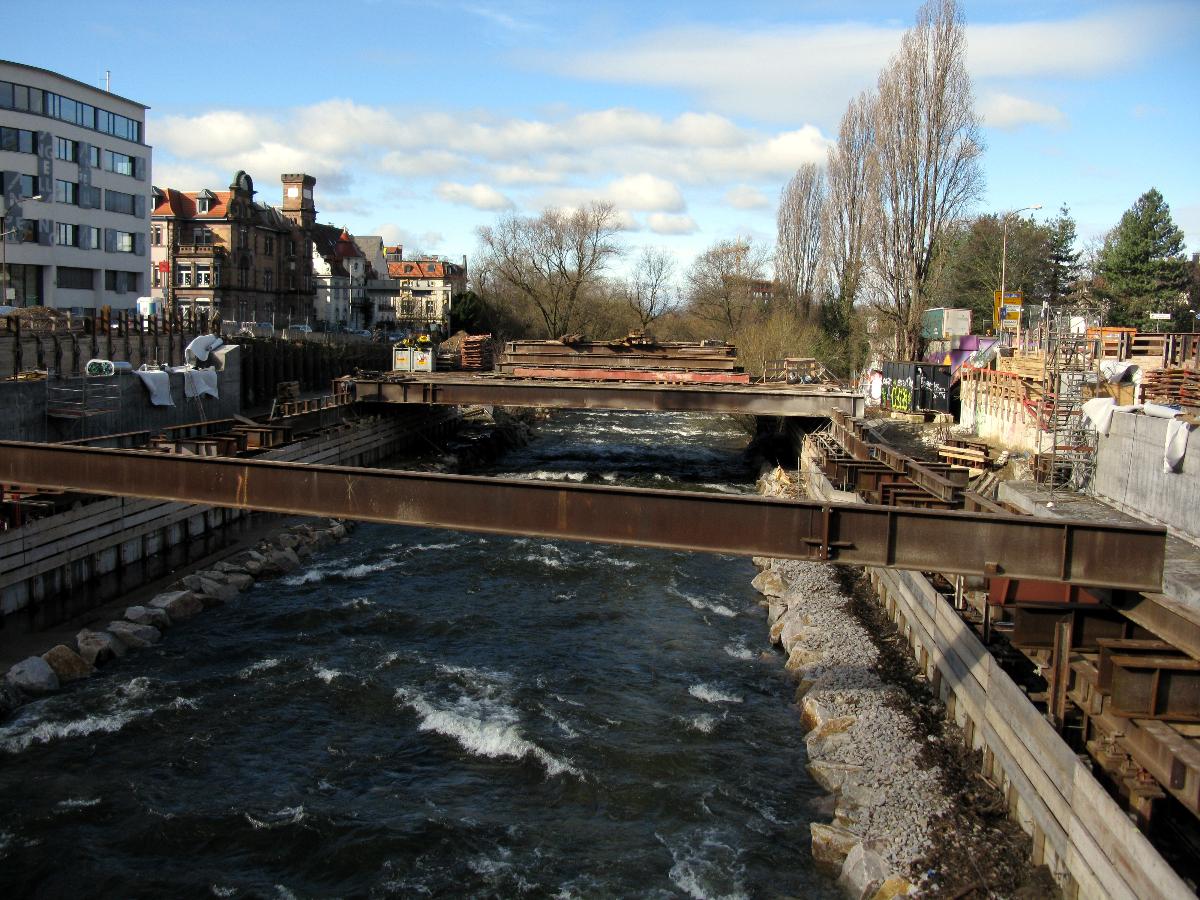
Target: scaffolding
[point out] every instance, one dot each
(1066, 439)
(82, 397)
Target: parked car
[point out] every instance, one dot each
(299, 329)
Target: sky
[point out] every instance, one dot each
(424, 121)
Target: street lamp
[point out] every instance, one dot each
(4, 245)
(1004, 261)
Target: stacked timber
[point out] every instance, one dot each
(637, 357)
(476, 353)
(1173, 387)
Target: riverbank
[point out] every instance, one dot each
(911, 812)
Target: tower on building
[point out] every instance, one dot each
(298, 199)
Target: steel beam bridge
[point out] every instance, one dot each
(952, 541)
(497, 390)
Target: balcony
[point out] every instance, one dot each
(200, 250)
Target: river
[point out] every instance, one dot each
(427, 713)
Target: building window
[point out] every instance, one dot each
(26, 231)
(216, 275)
(119, 202)
(18, 140)
(66, 192)
(268, 279)
(94, 237)
(93, 156)
(27, 186)
(243, 274)
(203, 275)
(75, 279)
(124, 242)
(66, 150)
(155, 277)
(429, 309)
(202, 235)
(118, 163)
(156, 233)
(269, 245)
(121, 282)
(183, 276)
(66, 235)
(291, 248)
(203, 204)
(243, 238)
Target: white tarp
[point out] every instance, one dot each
(158, 383)
(1176, 445)
(198, 350)
(199, 383)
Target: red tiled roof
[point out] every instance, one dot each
(182, 205)
(416, 270)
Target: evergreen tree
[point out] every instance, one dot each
(1142, 265)
(1064, 268)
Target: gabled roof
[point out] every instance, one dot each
(182, 204)
(416, 269)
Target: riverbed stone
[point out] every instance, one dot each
(832, 775)
(286, 540)
(148, 615)
(894, 886)
(10, 697)
(239, 580)
(253, 567)
(33, 676)
(831, 844)
(67, 664)
(769, 583)
(134, 635)
(829, 736)
(863, 873)
(338, 531)
(178, 604)
(801, 659)
(98, 647)
(285, 560)
(217, 586)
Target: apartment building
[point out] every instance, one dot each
(427, 289)
(223, 252)
(76, 181)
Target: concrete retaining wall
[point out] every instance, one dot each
(996, 417)
(1129, 473)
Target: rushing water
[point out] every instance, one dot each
(424, 713)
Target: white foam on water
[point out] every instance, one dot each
(78, 802)
(423, 547)
(362, 570)
(704, 723)
(474, 675)
(327, 675)
(6, 839)
(560, 723)
(285, 893)
(706, 868)
(481, 727)
(710, 694)
(357, 603)
(221, 891)
(548, 561)
(311, 576)
(724, 488)
(739, 651)
(184, 703)
(20, 737)
(135, 687)
(291, 815)
(700, 603)
(544, 475)
(388, 659)
(262, 665)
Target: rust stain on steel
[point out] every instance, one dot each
(951, 541)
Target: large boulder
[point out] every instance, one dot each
(33, 676)
(769, 583)
(98, 647)
(67, 664)
(832, 775)
(285, 560)
(287, 540)
(833, 734)
(831, 845)
(178, 604)
(215, 585)
(133, 635)
(863, 873)
(148, 615)
(239, 580)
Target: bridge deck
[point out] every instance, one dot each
(500, 390)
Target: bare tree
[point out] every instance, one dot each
(848, 215)
(725, 284)
(798, 240)
(553, 260)
(927, 147)
(649, 291)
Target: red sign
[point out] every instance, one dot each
(163, 265)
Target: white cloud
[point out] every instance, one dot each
(415, 164)
(479, 196)
(1006, 111)
(413, 242)
(665, 223)
(743, 196)
(645, 192)
(184, 176)
(215, 133)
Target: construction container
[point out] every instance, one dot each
(402, 358)
(423, 358)
(918, 387)
(944, 322)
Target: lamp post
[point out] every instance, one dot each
(4, 246)
(1004, 261)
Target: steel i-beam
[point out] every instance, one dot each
(949, 541)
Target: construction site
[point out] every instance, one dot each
(1027, 517)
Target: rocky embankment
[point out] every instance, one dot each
(143, 625)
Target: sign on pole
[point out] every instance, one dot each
(1006, 310)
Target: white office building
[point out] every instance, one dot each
(76, 182)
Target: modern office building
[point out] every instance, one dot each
(76, 181)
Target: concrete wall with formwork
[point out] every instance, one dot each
(27, 403)
(64, 564)
(1129, 473)
(991, 407)
(1079, 832)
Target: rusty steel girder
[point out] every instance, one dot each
(495, 390)
(858, 534)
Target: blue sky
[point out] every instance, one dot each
(423, 121)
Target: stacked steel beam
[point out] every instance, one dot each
(635, 358)
(476, 353)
